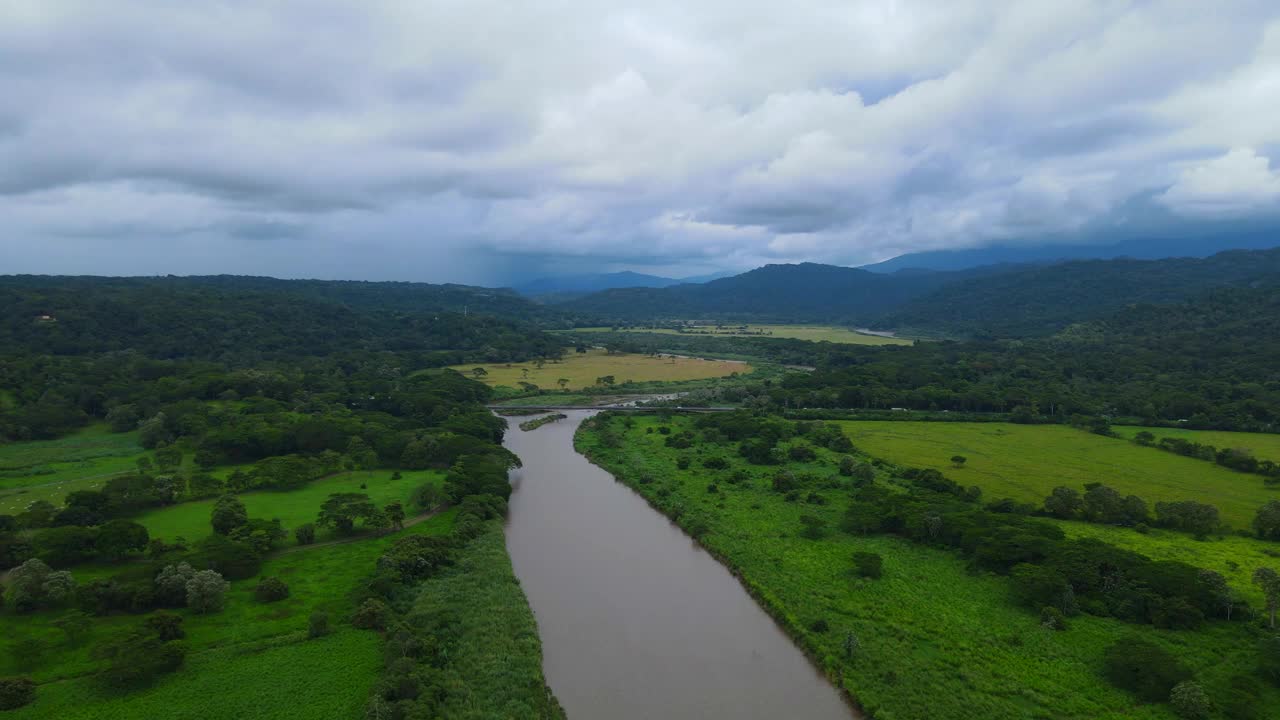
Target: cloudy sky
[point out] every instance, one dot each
(480, 141)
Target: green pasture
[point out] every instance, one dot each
(49, 469)
(1264, 446)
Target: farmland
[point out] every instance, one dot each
(582, 370)
(932, 638)
(1265, 446)
(1025, 462)
(49, 469)
(815, 333)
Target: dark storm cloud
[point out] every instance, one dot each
(480, 140)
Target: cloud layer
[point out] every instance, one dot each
(476, 140)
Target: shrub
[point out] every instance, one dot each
(16, 692)
(802, 453)
(814, 527)
(682, 463)
(318, 625)
(271, 589)
(1189, 701)
(305, 534)
(166, 625)
(1269, 659)
(371, 615)
(139, 659)
(868, 565)
(1052, 618)
(1174, 613)
(715, 462)
(713, 488)
(819, 626)
(1143, 668)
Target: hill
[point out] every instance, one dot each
(808, 292)
(1137, 248)
(213, 317)
(1042, 300)
(581, 284)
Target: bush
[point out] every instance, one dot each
(1189, 701)
(1175, 613)
(682, 463)
(371, 615)
(814, 527)
(139, 659)
(318, 625)
(305, 534)
(206, 591)
(166, 625)
(1269, 659)
(802, 453)
(1143, 668)
(819, 626)
(16, 692)
(271, 589)
(868, 565)
(715, 462)
(1052, 618)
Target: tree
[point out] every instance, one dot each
(958, 461)
(1216, 587)
(606, 380)
(1189, 701)
(1145, 438)
(139, 659)
(563, 383)
(118, 538)
(1269, 581)
(318, 624)
(271, 589)
(395, 515)
(1143, 668)
(16, 692)
(814, 527)
(1267, 521)
(144, 465)
(868, 564)
(1064, 503)
(478, 372)
(1103, 504)
(371, 615)
(206, 591)
(362, 456)
(166, 625)
(75, 625)
(342, 510)
(34, 584)
(1269, 659)
(1036, 586)
(168, 458)
(171, 583)
(228, 514)
(305, 533)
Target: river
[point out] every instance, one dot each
(637, 621)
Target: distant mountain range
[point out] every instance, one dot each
(564, 287)
(1139, 249)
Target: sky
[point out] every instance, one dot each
(484, 142)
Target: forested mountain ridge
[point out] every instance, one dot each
(807, 292)
(1041, 300)
(250, 318)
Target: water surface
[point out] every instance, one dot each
(637, 621)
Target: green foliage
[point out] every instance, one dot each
(305, 534)
(228, 514)
(139, 659)
(341, 511)
(1143, 668)
(271, 589)
(1189, 701)
(16, 692)
(868, 564)
(206, 591)
(373, 614)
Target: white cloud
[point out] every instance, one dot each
(1237, 183)
(391, 138)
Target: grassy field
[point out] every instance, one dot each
(249, 660)
(1264, 446)
(582, 370)
(293, 508)
(935, 639)
(49, 469)
(1025, 462)
(816, 333)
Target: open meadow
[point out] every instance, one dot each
(931, 638)
(1025, 462)
(294, 507)
(49, 469)
(582, 370)
(815, 333)
(1264, 446)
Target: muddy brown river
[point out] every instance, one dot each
(637, 621)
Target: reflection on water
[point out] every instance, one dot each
(636, 620)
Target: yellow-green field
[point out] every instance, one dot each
(1025, 462)
(49, 469)
(582, 370)
(816, 333)
(1264, 446)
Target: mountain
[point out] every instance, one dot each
(807, 292)
(1044, 299)
(592, 283)
(1140, 249)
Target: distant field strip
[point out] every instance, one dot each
(1264, 446)
(49, 469)
(1025, 462)
(816, 333)
(582, 370)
